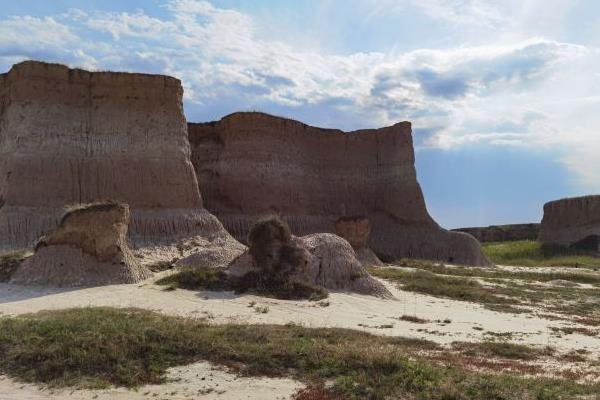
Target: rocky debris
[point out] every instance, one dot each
(202, 253)
(324, 260)
(70, 136)
(572, 222)
(89, 248)
(356, 230)
(251, 164)
(503, 233)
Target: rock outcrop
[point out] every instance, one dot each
(357, 231)
(503, 233)
(69, 136)
(251, 164)
(321, 259)
(88, 248)
(572, 222)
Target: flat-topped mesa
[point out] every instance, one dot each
(70, 136)
(572, 222)
(251, 164)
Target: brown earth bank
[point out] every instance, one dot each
(70, 136)
(503, 233)
(572, 222)
(250, 164)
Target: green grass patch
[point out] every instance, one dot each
(426, 282)
(530, 253)
(201, 278)
(507, 289)
(275, 286)
(102, 346)
(501, 349)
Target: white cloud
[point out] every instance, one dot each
(519, 91)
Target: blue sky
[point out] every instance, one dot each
(504, 96)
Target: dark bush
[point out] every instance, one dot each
(265, 235)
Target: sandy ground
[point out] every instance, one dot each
(196, 381)
(469, 322)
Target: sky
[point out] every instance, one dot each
(503, 96)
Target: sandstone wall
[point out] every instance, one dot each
(572, 222)
(503, 233)
(251, 164)
(72, 136)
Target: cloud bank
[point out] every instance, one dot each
(523, 90)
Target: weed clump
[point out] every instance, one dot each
(9, 262)
(198, 278)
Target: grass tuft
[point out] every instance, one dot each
(204, 278)
(501, 349)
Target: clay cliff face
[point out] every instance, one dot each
(572, 222)
(251, 164)
(71, 136)
(503, 233)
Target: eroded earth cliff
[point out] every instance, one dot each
(251, 164)
(70, 136)
(572, 222)
(503, 233)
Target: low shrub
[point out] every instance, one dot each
(9, 262)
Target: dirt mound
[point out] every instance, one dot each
(338, 266)
(89, 248)
(323, 260)
(204, 253)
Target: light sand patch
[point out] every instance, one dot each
(469, 321)
(195, 381)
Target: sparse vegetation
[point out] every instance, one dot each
(101, 346)
(501, 349)
(530, 253)
(198, 278)
(9, 262)
(502, 290)
(498, 273)
(214, 279)
(438, 285)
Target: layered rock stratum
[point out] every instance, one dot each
(69, 136)
(251, 164)
(572, 222)
(88, 248)
(503, 233)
